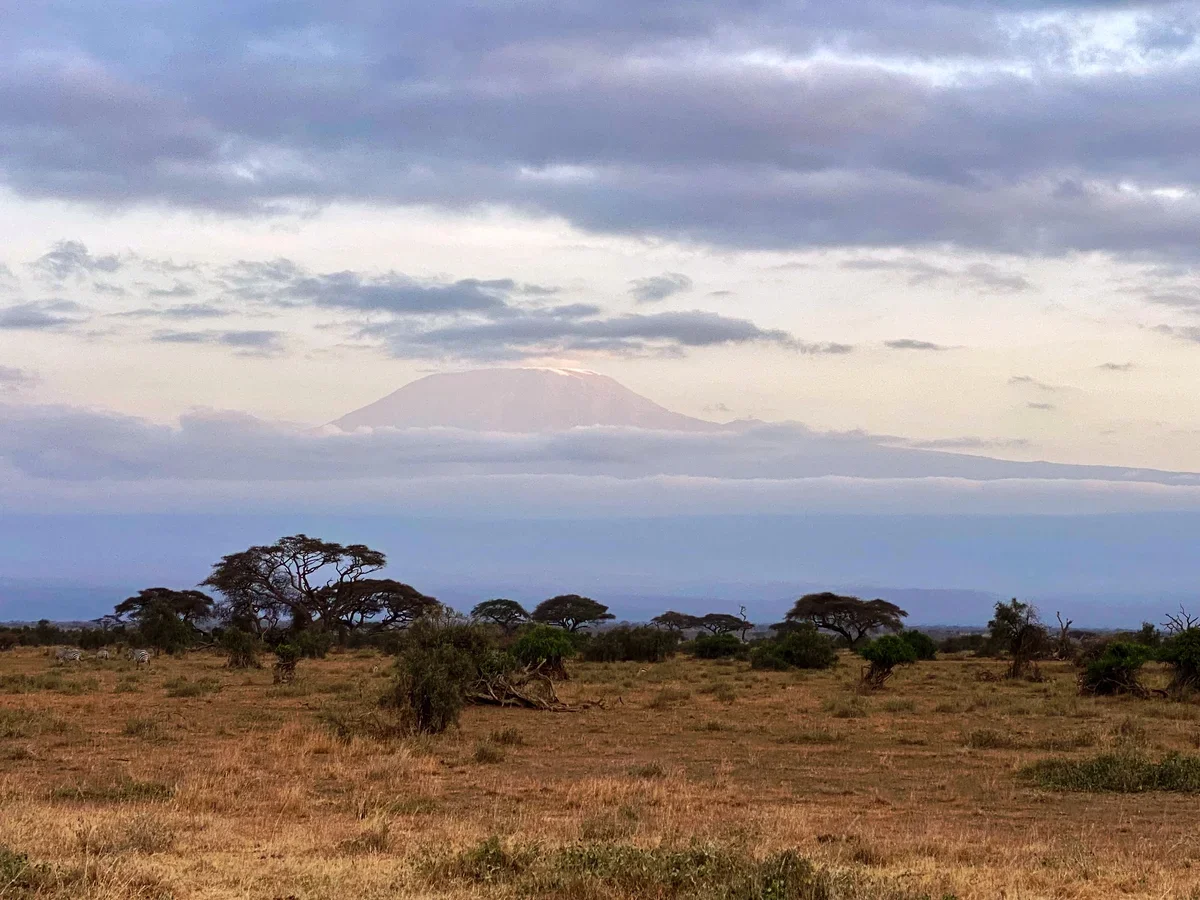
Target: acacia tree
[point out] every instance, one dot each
(1016, 627)
(571, 611)
(508, 614)
(721, 623)
(307, 581)
(167, 619)
(676, 621)
(852, 618)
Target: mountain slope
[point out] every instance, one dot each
(517, 400)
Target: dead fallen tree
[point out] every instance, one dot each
(527, 687)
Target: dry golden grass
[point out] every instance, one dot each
(124, 784)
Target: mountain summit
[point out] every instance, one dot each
(517, 400)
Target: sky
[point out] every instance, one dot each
(960, 225)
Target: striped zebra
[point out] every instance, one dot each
(68, 654)
(140, 657)
(102, 654)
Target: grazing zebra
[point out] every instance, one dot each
(102, 654)
(68, 654)
(140, 657)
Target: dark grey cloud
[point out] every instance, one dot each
(14, 379)
(45, 315)
(248, 343)
(580, 327)
(1190, 333)
(71, 259)
(400, 295)
(659, 287)
(616, 118)
(912, 344)
(184, 311)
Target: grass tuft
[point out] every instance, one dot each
(1123, 773)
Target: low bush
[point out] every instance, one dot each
(608, 869)
(546, 648)
(631, 644)
(1181, 651)
(1113, 668)
(963, 643)
(923, 645)
(717, 646)
(287, 657)
(123, 790)
(1118, 773)
(486, 752)
(883, 655)
(20, 876)
(800, 647)
(242, 649)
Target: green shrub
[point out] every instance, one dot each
(923, 645)
(430, 687)
(717, 646)
(1181, 651)
(631, 644)
(1113, 668)
(242, 649)
(800, 647)
(1118, 773)
(287, 657)
(884, 654)
(607, 869)
(20, 876)
(544, 647)
(312, 643)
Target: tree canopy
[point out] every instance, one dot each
(571, 611)
(508, 614)
(676, 621)
(305, 581)
(1017, 628)
(851, 617)
(166, 619)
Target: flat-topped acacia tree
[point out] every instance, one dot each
(851, 617)
(307, 581)
(508, 614)
(571, 611)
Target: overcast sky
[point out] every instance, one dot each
(966, 225)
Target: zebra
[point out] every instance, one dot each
(102, 654)
(68, 654)
(140, 657)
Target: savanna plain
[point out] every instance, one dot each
(694, 778)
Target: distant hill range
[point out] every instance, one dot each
(518, 400)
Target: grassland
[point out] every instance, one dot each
(697, 779)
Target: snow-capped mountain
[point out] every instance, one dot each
(517, 400)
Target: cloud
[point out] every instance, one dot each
(1031, 127)
(71, 259)
(1042, 406)
(970, 443)
(14, 379)
(911, 344)
(1030, 381)
(919, 271)
(1116, 367)
(540, 332)
(1190, 333)
(47, 315)
(659, 287)
(245, 343)
(222, 460)
(183, 311)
